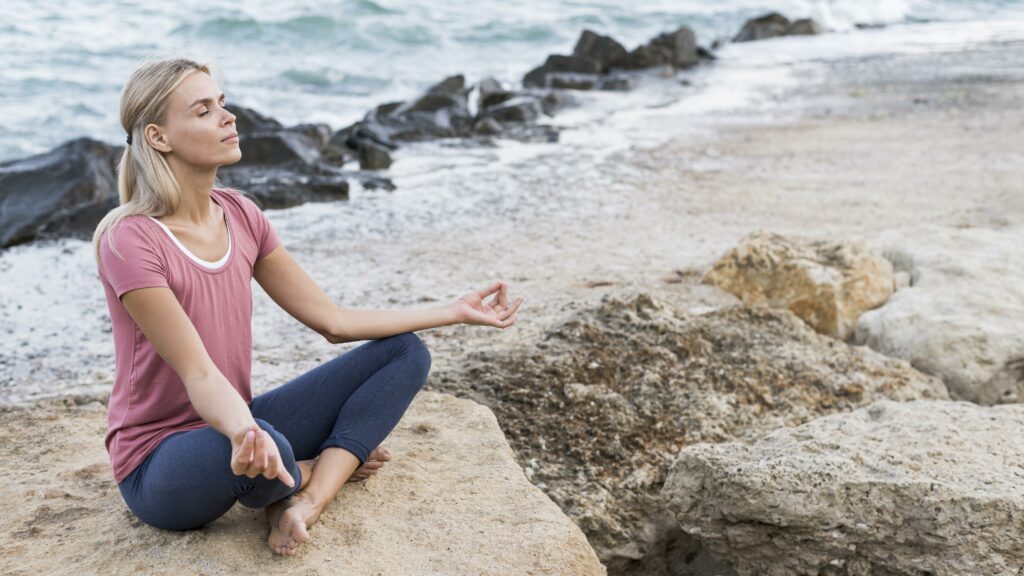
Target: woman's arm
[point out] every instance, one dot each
(159, 315)
(292, 289)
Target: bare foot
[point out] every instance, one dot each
(374, 462)
(289, 520)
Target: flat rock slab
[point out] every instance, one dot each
(919, 487)
(451, 501)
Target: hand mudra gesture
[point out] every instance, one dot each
(256, 453)
(496, 312)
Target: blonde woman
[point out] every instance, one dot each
(176, 258)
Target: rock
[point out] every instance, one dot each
(827, 284)
(676, 49)
(604, 50)
(451, 501)
(285, 185)
(573, 81)
(277, 148)
(492, 93)
(599, 407)
(804, 27)
(774, 24)
(487, 127)
(373, 156)
(538, 77)
(961, 316)
(519, 110)
(63, 192)
(920, 487)
(768, 26)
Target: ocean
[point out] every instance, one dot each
(64, 63)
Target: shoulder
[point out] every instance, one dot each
(237, 198)
(131, 227)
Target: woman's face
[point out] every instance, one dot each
(198, 129)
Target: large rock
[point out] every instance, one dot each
(676, 49)
(451, 501)
(961, 316)
(827, 284)
(63, 192)
(597, 410)
(922, 487)
(774, 24)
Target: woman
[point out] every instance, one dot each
(176, 258)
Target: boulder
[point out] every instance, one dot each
(960, 316)
(538, 77)
(827, 284)
(451, 501)
(604, 50)
(895, 488)
(676, 49)
(62, 192)
(774, 24)
(597, 409)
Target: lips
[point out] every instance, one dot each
(233, 136)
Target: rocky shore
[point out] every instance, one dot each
(679, 424)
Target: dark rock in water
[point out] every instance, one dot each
(373, 182)
(538, 77)
(677, 49)
(617, 81)
(552, 102)
(804, 27)
(706, 54)
(604, 50)
(768, 26)
(373, 156)
(774, 24)
(249, 121)
(288, 184)
(521, 109)
(277, 147)
(492, 93)
(442, 112)
(487, 127)
(63, 192)
(573, 80)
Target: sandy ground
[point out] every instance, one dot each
(878, 145)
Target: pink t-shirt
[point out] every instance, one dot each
(149, 400)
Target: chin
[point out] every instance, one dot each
(232, 159)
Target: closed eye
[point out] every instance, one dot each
(205, 112)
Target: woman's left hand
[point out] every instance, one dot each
(472, 309)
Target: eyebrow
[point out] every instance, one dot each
(203, 101)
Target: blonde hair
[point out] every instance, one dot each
(145, 183)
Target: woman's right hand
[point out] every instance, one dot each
(255, 453)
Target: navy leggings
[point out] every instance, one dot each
(352, 401)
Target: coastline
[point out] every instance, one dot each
(895, 141)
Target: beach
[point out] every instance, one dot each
(842, 149)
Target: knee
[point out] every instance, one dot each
(284, 447)
(413, 346)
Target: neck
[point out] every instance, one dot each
(196, 208)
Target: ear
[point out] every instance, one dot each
(156, 138)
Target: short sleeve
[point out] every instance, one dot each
(137, 263)
(265, 233)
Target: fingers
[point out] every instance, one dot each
(259, 456)
(503, 295)
(485, 292)
(243, 456)
(510, 311)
